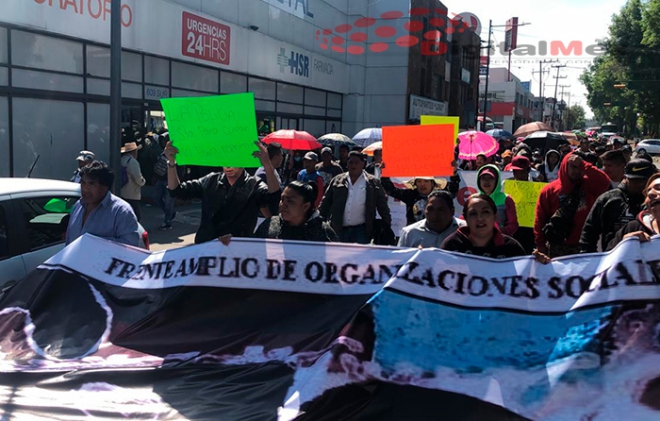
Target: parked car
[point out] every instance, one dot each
(651, 146)
(34, 214)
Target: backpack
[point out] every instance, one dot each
(124, 173)
(160, 168)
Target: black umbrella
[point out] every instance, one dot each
(545, 141)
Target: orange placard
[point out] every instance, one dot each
(418, 151)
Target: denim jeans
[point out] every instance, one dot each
(356, 234)
(164, 200)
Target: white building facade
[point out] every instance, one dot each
(311, 64)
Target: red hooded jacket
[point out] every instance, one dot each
(594, 183)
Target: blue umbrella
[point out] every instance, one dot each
(499, 133)
(368, 136)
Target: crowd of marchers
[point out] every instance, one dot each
(596, 195)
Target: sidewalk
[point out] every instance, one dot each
(183, 230)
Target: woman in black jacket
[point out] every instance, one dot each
(481, 237)
(646, 225)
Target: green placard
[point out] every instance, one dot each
(214, 131)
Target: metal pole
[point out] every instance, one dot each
(508, 79)
(554, 105)
(115, 92)
(490, 25)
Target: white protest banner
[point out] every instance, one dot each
(281, 328)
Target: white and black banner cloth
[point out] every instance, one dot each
(272, 330)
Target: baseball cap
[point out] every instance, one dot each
(86, 156)
(488, 171)
(639, 168)
(312, 156)
(326, 150)
(520, 163)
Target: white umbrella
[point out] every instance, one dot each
(368, 136)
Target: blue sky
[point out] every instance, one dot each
(558, 20)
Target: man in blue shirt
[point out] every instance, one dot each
(99, 212)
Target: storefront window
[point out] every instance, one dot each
(47, 81)
(156, 70)
(131, 66)
(314, 127)
(333, 127)
(4, 76)
(42, 52)
(98, 86)
(289, 108)
(289, 93)
(315, 111)
(52, 130)
(264, 105)
(98, 61)
(188, 76)
(263, 89)
(4, 137)
(131, 90)
(314, 97)
(183, 93)
(334, 113)
(231, 83)
(98, 130)
(3, 45)
(334, 100)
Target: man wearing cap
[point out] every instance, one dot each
(132, 181)
(328, 168)
(616, 207)
(309, 174)
(351, 201)
(521, 167)
(84, 158)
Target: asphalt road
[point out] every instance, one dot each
(183, 229)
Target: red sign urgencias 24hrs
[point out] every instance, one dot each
(205, 39)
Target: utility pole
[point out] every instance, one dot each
(542, 73)
(565, 111)
(554, 105)
(483, 121)
(115, 92)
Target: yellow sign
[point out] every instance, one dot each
(434, 119)
(526, 195)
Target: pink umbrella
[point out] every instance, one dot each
(475, 143)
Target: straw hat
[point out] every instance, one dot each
(440, 183)
(130, 146)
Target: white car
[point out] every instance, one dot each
(651, 146)
(33, 222)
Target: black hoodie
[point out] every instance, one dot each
(642, 223)
(611, 211)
